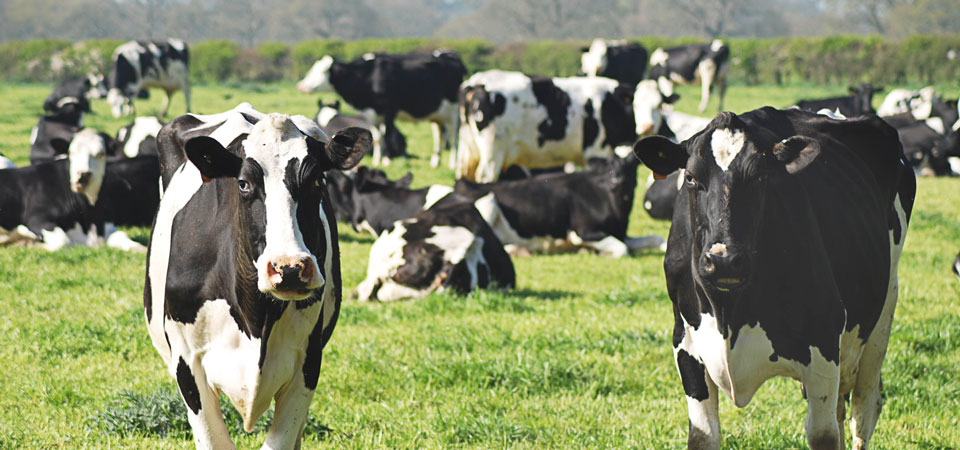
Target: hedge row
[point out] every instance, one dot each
(835, 59)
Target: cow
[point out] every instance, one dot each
(782, 261)
(75, 90)
(242, 287)
(653, 114)
(510, 118)
(707, 64)
(60, 124)
(446, 247)
(40, 204)
(619, 60)
(856, 104)
(341, 186)
(905, 100)
(925, 148)
(384, 87)
(555, 213)
(145, 64)
(331, 120)
(138, 138)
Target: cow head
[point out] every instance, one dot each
(318, 77)
(594, 59)
(120, 105)
(863, 95)
(279, 175)
(648, 105)
(728, 168)
(96, 87)
(87, 153)
(327, 112)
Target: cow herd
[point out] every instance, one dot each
(787, 225)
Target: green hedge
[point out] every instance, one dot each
(822, 60)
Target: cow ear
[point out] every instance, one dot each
(405, 181)
(671, 99)
(660, 154)
(344, 149)
(211, 158)
(61, 146)
(796, 152)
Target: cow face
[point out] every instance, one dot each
(120, 105)
(728, 169)
(88, 162)
(279, 173)
(96, 87)
(648, 106)
(594, 60)
(863, 95)
(318, 77)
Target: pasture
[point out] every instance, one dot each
(578, 356)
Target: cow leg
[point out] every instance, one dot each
(203, 409)
(703, 409)
(822, 381)
(866, 400)
(438, 136)
(290, 416)
(721, 91)
(453, 137)
(119, 240)
(166, 103)
(707, 70)
(186, 95)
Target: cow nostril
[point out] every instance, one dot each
(85, 177)
(307, 273)
(709, 266)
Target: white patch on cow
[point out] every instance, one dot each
(58, 238)
(594, 60)
(386, 256)
(318, 77)
(143, 127)
(726, 145)
(66, 101)
(649, 181)
(434, 194)
(88, 158)
(454, 241)
(326, 114)
(936, 124)
(33, 135)
(119, 240)
(658, 57)
(177, 44)
(683, 125)
(365, 226)
(5, 163)
(228, 125)
(954, 164)
(681, 178)
(22, 230)
(718, 249)
(833, 114)
(716, 45)
(647, 108)
(648, 205)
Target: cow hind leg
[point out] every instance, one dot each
(166, 103)
(822, 382)
(866, 400)
(203, 409)
(707, 71)
(186, 95)
(438, 142)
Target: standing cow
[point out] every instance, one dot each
(618, 60)
(384, 87)
(511, 118)
(782, 261)
(144, 64)
(243, 287)
(707, 64)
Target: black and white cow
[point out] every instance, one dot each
(384, 87)
(653, 113)
(553, 213)
(782, 261)
(243, 287)
(447, 246)
(138, 137)
(924, 147)
(511, 118)
(707, 64)
(75, 90)
(331, 120)
(341, 186)
(143, 64)
(619, 60)
(858, 103)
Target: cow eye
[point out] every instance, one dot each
(689, 179)
(244, 186)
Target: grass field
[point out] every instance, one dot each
(578, 356)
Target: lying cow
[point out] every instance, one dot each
(236, 303)
(858, 103)
(331, 120)
(619, 60)
(511, 118)
(925, 148)
(707, 64)
(138, 138)
(384, 87)
(75, 90)
(782, 261)
(553, 213)
(341, 185)
(144, 64)
(654, 114)
(447, 246)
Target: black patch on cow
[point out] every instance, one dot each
(148, 68)
(291, 178)
(591, 128)
(483, 275)
(322, 331)
(250, 119)
(188, 386)
(125, 74)
(490, 106)
(313, 358)
(693, 376)
(557, 103)
(616, 113)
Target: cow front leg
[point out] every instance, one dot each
(821, 382)
(703, 409)
(203, 409)
(866, 400)
(186, 95)
(707, 70)
(438, 139)
(290, 416)
(166, 103)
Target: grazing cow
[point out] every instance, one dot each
(447, 246)
(511, 118)
(654, 114)
(331, 120)
(383, 87)
(782, 261)
(242, 288)
(707, 64)
(857, 103)
(618, 60)
(587, 209)
(143, 64)
(139, 137)
(76, 90)
(39, 203)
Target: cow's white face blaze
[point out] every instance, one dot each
(648, 106)
(279, 183)
(87, 155)
(318, 77)
(594, 60)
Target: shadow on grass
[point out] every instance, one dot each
(542, 294)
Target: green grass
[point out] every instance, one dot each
(578, 356)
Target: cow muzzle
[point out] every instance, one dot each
(81, 180)
(291, 277)
(723, 268)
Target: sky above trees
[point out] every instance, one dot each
(250, 22)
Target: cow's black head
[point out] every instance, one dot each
(279, 172)
(728, 168)
(863, 96)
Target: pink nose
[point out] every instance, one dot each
(291, 273)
